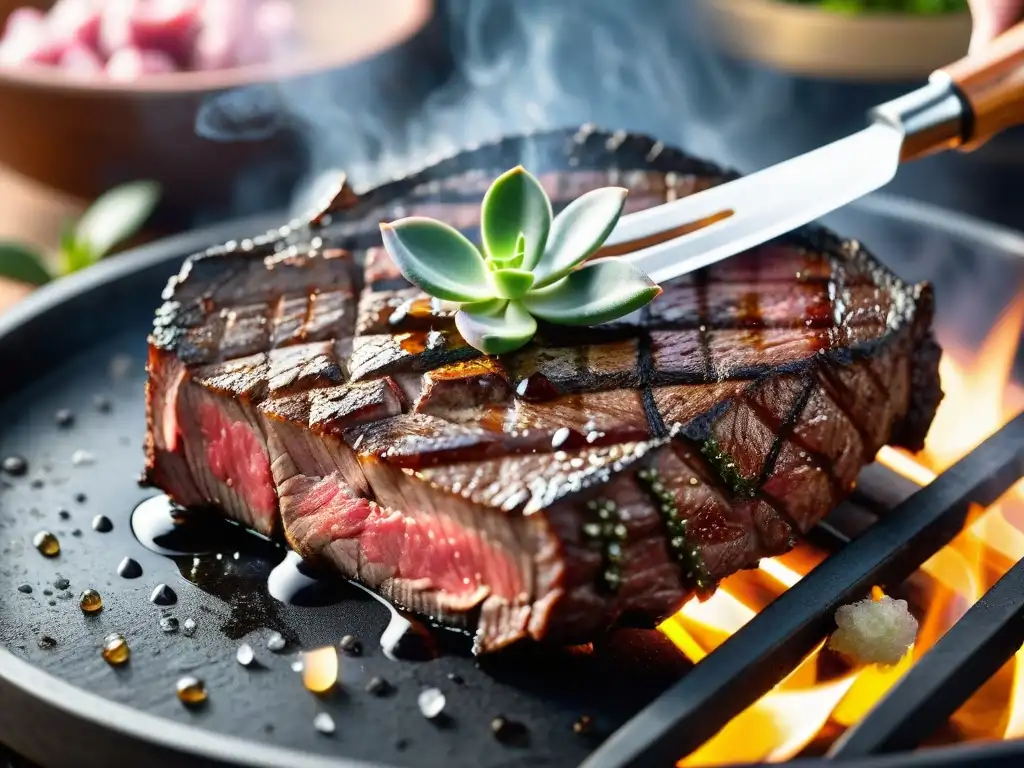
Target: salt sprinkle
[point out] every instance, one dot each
(324, 723)
(431, 702)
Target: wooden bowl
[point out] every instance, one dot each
(82, 137)
(806, 40)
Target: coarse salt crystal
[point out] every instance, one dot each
(874, 631)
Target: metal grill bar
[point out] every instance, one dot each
(970, 652)
(755, 659)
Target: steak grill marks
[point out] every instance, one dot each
(308, 385)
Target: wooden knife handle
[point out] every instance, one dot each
(992, 82)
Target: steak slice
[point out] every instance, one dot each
(597, 476)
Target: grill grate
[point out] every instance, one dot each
(756, 658)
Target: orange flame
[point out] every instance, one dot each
(980, 398)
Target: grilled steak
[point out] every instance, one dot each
(597, 476)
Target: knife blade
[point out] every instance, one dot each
(763, 205)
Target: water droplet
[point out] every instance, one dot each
(115, 649)
(101, 404)
(62, 583)
(245, 655)
(15, 466)
(163, 595)
(81, 498)
(102, 524)
(583, 725)
(63, 514)
(90, 601)
(320, 669)
(276, 642)
(25, 589)
(293, 583)
(129, 569)
(191, 691)
(77, 532)
(64, 417)
(189, 627)
(378, 686)
(508, 731)
(431, 703)
(169, 624)
(324, 723)
(456, 678)
(297, 665)
(82, 458)
(559, 437)
(351, 645)
(46, 543)
(46, 642)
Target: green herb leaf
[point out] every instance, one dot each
(511, 283)
(497, 334)
(73, 254)
(18, 262)
(603, 290)
(115, 216)
(578, 231)
(438, 259)
(515, 218)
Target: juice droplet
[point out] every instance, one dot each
(163, 595)
(320, 669)
(47, 544)
(324, 723)
(129, 569)
(102, 524)
(191, 691)
(90, 601)
(115, 649)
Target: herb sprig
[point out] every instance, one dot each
(530, 267)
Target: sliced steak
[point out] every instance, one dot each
(598, 475)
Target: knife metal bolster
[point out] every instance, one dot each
(932, 118)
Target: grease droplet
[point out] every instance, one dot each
(320, 669)
(15, 466)
(191, 691)
(115, 649)
(163, 595)
(90, 601)
(129, 569)
(102, 524)
(47, 544)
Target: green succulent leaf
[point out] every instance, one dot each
(578, 231)
(512, 283)
(515, 218)
(500, 333)
(485, 307)
(115, 216)
(603, 290)
(18, 262)
(438, 259)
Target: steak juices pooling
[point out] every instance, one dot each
(596, 476)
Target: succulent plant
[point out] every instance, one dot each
(529, 267)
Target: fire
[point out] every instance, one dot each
(814, 704)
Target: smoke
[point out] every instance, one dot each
(523, 65)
